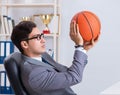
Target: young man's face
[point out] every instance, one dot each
(35, 45)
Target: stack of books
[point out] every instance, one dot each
(6, 48)
(6, 24)
(5, 87)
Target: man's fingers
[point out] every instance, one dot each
(77, 28)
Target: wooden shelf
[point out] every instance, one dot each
(46, 35)
(6, 7)
(2, 67)
(51, 35)
(4, 35)
(29, 5)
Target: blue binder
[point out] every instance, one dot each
(6, 48)
(4, 89)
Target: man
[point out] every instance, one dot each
(40, 74)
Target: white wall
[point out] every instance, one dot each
(102, 69)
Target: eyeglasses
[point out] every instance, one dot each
(38, 37)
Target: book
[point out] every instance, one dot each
(10, 24)
(2, 25)
(6, 24)
(5, 19)
(6, 48)
(5, 87)
(51, 52)
(2, 51)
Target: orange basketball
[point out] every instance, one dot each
(89, 24)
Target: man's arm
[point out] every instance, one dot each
(42, 79)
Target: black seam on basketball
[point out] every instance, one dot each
(88, 24)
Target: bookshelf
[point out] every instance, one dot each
(17, 9)
(24, 9)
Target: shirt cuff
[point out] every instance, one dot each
(81, 49)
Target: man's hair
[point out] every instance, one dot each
(20, 32)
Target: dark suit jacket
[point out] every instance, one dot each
(40, 78)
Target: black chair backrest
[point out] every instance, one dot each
(12, 67)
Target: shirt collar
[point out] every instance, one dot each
(37, 58)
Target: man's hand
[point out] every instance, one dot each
(77, 38)
(89, 45)
(74, 33)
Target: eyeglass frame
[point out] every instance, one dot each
(38, 37)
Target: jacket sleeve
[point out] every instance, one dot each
(41, 79)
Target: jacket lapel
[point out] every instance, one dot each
(50, 60)
(36, 62)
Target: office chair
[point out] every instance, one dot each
(12, 67)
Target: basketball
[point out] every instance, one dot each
(89, 25)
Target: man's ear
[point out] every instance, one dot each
(24, 44)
